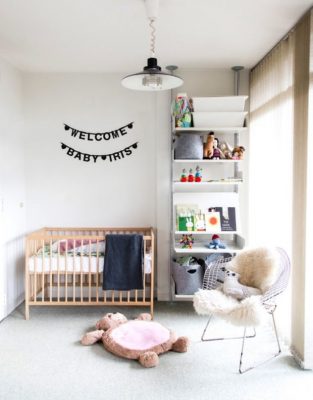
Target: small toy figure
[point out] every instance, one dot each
(191, 178)
(216, 243)
(198, 175)
(186, 241)
(217, 152)
(208, 146)
(183, 177)
(237, 153)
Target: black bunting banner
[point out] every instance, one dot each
(98, 136)
(127, 151)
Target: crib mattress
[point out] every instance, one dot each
(75, 264)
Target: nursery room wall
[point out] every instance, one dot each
(134, 191)
(12, 189)
(64, 191)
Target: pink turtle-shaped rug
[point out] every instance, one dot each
(141, 339)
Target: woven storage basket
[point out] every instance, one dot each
(189, 146)
(188, 278)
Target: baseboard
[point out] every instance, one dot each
(298, 358)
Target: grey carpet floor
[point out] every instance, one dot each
(43, 359)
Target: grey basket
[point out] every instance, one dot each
(189, 146)
(188, 278)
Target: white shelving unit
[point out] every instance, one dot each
(213, 191)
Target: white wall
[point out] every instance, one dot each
(12, 190)
(63, 191)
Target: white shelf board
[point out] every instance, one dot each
(192, 185)
(206, 161)
(183, 297)
(206, 233)
(198, 249)
(216, 130)
(232, 246)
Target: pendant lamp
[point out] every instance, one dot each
(152, 78)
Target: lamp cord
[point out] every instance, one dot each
(152, 37)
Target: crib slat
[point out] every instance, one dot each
(89, 275)
(50, 269)
(43, 272)
(35, 276)
(81, 277)
(97, 271)
(58, 276)
(66, 254)
(74, 271)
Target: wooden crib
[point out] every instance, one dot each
(63, 267)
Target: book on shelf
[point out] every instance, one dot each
(227, 218)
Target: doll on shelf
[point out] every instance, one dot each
(198, 175)
(217, 152)
(191, 177)
(183, 177)
(237, 153)
(186, 241)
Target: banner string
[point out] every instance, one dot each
(98, 136)
(118, 155)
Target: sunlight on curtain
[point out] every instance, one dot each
(271, 159)
(271, 137)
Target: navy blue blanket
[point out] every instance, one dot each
(123, 262)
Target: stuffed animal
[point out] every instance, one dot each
(140, 339)
(232, 287)
(237, 153)
(208, 146)
(226, 149)
(216, 243)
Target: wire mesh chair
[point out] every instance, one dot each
(214, 277)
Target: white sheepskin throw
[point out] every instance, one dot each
(248, 312)
(257, 267)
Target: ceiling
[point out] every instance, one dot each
(113, 35)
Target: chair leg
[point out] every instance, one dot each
(221, 338)
(241, 370)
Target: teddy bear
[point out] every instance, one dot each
(208, 146)
(232, 286)
(141, 339)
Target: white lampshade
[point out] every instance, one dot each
(151, 81)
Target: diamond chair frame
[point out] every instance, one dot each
(212, 280)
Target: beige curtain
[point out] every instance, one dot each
(281, 170)
(270, 148)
